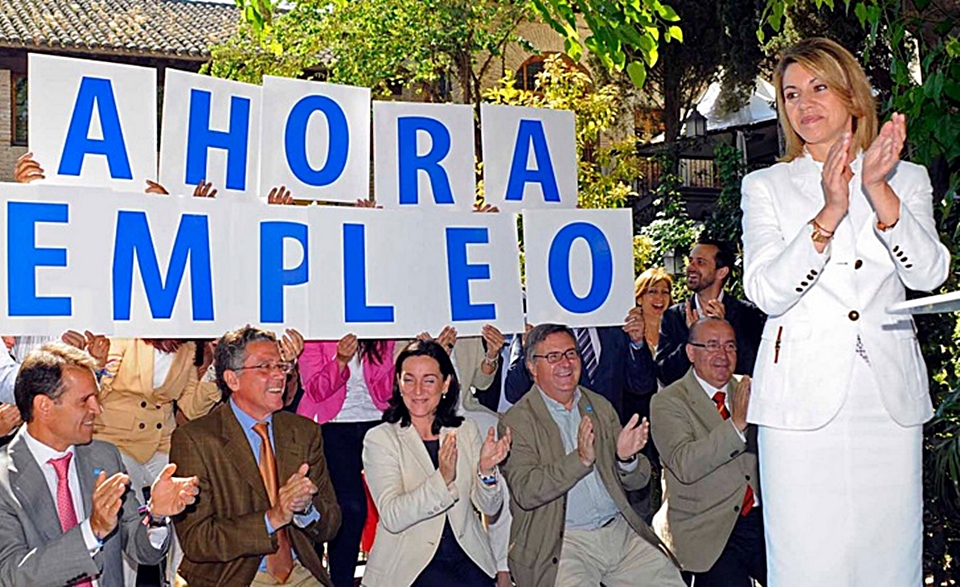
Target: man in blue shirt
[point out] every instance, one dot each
(265, 504)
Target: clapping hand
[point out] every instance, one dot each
(739, 403)
(106, 502)
(295, 496)
(346, 348)
(692, 313)
(632, 438)
(835, 181)
(715, 308)
(98, 346)
(585, 442)
(169, 495)
(9, 418)
(291, 345)
(447, 458)
(494, 451)
(884, 152)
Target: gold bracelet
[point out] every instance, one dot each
(822, 229)
(885, 227)
(818, 236)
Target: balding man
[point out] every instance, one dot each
(711, 513)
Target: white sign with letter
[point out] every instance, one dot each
(93, 123)
(211, 132)
(529, 158)
(317, 136)
(579, 266)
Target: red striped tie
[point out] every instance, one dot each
(720, 398)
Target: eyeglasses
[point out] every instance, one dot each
(283, 367)
(714, 346)
(556, 356)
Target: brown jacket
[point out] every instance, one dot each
(137, 418)
(706, 469)
(224, 534)
(539, 473)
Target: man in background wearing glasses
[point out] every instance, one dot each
(268, 495)
(711, 515)
(568, 467)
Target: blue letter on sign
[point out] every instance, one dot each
(23, 258)
(200, 138)
(460, 273)
(95, 92)
(133, 239)
(558, 268)
(295, 141)
(411, 163)
(273, 277)
(531, 131)
(355, 280)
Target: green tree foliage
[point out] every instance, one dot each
(921, 36)
(604, 172)
(624, 34)
(719, 45)
(724, 221)
(440, 49)
(672, 230)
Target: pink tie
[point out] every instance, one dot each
(68, 515)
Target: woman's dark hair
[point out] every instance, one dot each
(371, 350)
(447, 408)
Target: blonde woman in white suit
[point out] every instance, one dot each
(833, 235)
(430, 472)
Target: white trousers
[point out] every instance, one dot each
(843, 504)
(143, 475)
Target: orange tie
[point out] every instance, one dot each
(720, 398)
(280, 563)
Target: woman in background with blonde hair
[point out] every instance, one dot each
(833, 235)
(652, 290)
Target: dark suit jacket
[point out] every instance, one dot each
(747, 321)
(224, 535)
(34, 551)
(624, 375)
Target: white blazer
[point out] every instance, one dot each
(818, 304)
(414, 502)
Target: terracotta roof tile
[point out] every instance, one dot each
(174, 28)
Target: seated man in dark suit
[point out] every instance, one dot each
(711, 515)
(615, 365)
(66, 513)
(267, 493)
(710, 265)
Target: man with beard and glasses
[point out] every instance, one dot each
(711, 262)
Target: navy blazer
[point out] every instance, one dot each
(625, 376)
(747, 321)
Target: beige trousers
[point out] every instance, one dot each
(614, 555)
(299, 577)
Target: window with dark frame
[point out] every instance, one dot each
(527, 76)
(18, 99)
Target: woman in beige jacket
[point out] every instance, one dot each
(143, 379)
